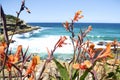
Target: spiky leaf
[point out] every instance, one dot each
(75, 74)
(63, 71)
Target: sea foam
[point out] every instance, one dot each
(39, 44)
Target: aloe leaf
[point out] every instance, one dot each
(84, 74)
(75, 74)
(63, 71)
(111, 74)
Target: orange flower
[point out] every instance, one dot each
(91, 50)
(13, 58)
(32, 66)
(107, 52)
(34, 62)
(66, 25)
(9, 61)
(2, 53)
(86, 64)
(61, 41)
(76, 66)
(17, 54)
(9, 66)
(3, 45)
(19, 49)
(83, 66)
(77, 15)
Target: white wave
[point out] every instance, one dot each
(23, 35)
(37, 31)
(39, 45)
(98, 36)
(44, 28)
(41, 29)
(95, 36)
(27, 35)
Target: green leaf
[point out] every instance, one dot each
(84, 74)
(111, 74)
(51, 77)
(75, 74)
(118, 69)
(63, 71)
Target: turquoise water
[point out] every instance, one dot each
(49, 34)
(101, 31)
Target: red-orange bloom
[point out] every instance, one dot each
(107, 52)
(9, 61)
(32, 66)
(66, 25)
(86, 64)
(77, 16)
(3, 45)
(76, 66)
(9, 66)
(13, 58)
(17, 54)
(61, 41)
(91, 50)
(2, 53)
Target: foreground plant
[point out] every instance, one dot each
(82, 65)
(85, 55)
(8, 60)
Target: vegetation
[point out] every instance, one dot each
(16, 25)
(87, 63)
(11, 19)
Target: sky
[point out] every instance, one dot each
(99, 11)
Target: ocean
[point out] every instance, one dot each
(49, 34)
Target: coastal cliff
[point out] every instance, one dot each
(21, 27)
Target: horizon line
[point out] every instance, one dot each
(78, 22)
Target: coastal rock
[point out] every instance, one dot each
(101, 43)
(20, 27)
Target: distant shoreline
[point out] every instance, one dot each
(29, 28)
(24, 30)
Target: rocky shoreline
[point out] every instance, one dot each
(51, 69)
(20, 31)
(21, 27)
(27, 28)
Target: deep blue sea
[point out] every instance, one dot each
(49, 34)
